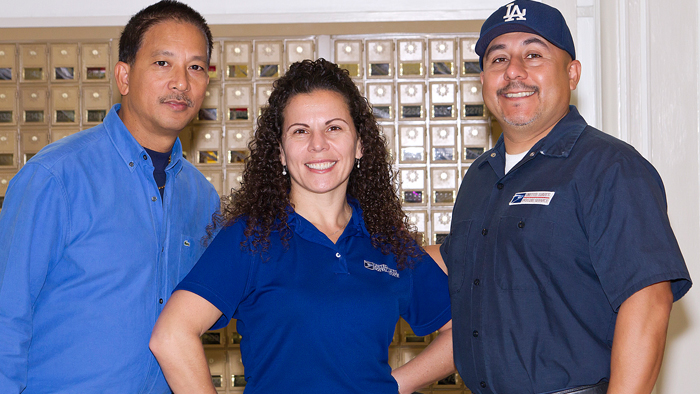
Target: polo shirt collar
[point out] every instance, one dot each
(306, 230)
(558, 143)
(131, 152)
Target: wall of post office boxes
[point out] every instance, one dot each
(424, 89)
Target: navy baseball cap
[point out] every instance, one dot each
(530, 17)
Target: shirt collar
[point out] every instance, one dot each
(304, 228)
(129, 149)
(558, 143)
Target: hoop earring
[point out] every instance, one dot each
(284, 170)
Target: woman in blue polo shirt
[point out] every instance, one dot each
(313, 258)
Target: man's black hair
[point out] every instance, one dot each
(162, 11)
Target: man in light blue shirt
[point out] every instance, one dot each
(98, 228)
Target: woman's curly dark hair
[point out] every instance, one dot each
(263, 197)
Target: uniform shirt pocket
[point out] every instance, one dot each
(457, 254)
(522, 253)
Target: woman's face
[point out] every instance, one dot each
(319, 144)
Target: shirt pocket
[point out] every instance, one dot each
(522, 253)
(457, 255)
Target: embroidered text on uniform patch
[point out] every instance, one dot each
(536, 198)
(381, 268)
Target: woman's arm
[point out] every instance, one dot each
(432, 364)
(434, 252)
(175, 342)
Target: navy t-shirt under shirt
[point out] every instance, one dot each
(318, 317)
(160, 163)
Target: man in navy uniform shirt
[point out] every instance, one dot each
(562, 263)
(99, 227)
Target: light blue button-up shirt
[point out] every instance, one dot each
(89, 253)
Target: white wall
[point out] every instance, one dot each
(651, 84)
(641, 83)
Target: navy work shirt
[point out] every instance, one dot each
(540, 259)
(318, 317)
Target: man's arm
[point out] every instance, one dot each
(175, 342)
(639, 341)
(33, 225)
(432, 364)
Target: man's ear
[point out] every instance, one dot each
(574, 70)
(121, 75)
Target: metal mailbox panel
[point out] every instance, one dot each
(33, 62)
(95, 66)
(238, 60)
(411, 58)
(442, 57)
(96, 103)
(8, 63)
(34, 107)
(64, 62)
(239, 103)
(380, 58)
(348, 55)
(298, 50)
(65, 103)
(8, 106)
(269, 59)
(206, 142)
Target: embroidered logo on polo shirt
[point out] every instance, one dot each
(381, 268)
(532, 198)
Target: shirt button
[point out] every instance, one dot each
(131, 164)
(499, 186)
(337, 255)
(483, 385)
(521, 224)
(477, 282)
(144, 157)
(154, 198)
(160, 301)
(484, 232)
(475, 333)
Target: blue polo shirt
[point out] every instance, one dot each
(318, 317)
(540, 259)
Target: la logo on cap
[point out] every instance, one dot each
(513, 13)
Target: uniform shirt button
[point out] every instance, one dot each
(499, 186)
(131, 164)
(475, 333)
(477, 282)
(144, 157)
(521, 224)
(484, 232)
(154, 198)
(160, 301)
(337, 255)
(482, 384)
